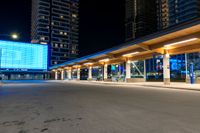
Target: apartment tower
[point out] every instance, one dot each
(55, 23)
(140, 18)
(173, 12)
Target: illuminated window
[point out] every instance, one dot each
(74, 15)
(43, 42)
(42, 38)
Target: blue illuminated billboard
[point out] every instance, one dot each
(23, 56)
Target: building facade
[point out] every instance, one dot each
(24, 61)
(140, 18)
(55, 23)
(173, 12)
(144, 17)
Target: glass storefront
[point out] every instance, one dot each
(194, 58)
(137, 69)
(24, 76)
(97, 73)
(116, 72)
(154, 68)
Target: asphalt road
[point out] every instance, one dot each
(53, 107)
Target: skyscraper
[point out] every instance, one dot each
(140, 19)
(173, 12)
(55, 23)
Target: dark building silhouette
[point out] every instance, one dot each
(144, 17)
(141, 18)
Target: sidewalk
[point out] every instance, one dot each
(173, 85)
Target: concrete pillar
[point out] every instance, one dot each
(186, 70)
(62, 74)
(78, 74)
(105, 72)
(90, 73)
(56, 75)
(69, 74)
(145, 71)
(128, 70)
(166, 68)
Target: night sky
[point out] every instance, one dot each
(101, 22)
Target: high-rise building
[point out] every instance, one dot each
(55, 23)
(173, 12)
(144, 17)
(140, 19)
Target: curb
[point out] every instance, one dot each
(169, 87)
(175, 88)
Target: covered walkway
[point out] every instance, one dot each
(170, 55)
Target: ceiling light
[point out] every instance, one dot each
(181, 42)
(89, 63)
(130, 54)
(105, 60)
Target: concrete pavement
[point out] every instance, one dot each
(67, 107)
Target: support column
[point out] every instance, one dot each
(62, 75)
(69, 74)
(145, 71)
(166, 68)
(56, 75)
(105, 72)
(78, 74)
(90, 73)
(187, 78)
(128, 70)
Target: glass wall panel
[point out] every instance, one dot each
(195, 59)
(178, 68)
(116, 72)
(154, 69)
(97, 73)
(84, 74)
(74, 74)
(137, 69)
(65, 74)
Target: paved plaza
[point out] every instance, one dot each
(72, 107)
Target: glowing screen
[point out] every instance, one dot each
(16, 55)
